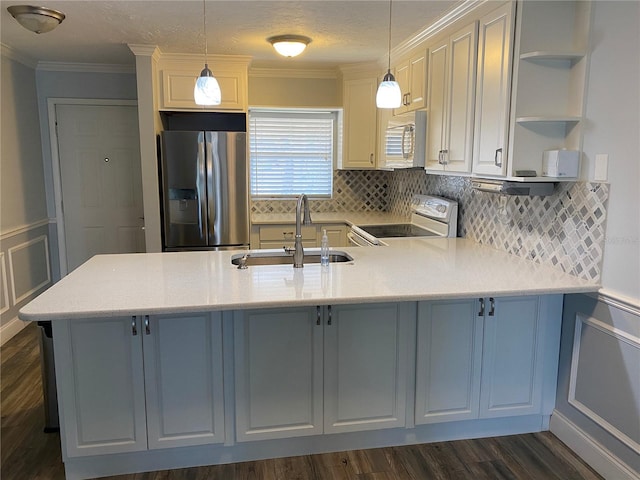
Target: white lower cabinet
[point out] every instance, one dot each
(313, 370)
(132, 384)
(486, 358)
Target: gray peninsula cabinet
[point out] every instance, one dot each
(246, 384)
(136, 383)
(314, 370)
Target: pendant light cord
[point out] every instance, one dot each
(204, 25)
(389, 50)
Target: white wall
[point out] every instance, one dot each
(613, 127)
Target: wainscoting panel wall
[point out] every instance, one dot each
(598, 397)
(25, 271)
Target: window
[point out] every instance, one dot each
(292, 152)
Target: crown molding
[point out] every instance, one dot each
(244, 60)
(84, 67)
(14, 55)
(140, 50)
(266, 72)
(435, 28)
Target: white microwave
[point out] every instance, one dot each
(405, 140)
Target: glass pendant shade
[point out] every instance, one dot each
(207, 90)
(389, 94)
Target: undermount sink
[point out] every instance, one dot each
(283, 258)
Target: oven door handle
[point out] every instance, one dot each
(359, 240)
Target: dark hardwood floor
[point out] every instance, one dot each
(28, 453)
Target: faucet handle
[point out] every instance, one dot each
(288, 250)
(242, 263)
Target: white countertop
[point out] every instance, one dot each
(408, 269)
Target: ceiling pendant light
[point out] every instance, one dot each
(289, 45)
(36, 19)
(389, 94)
(207, 90)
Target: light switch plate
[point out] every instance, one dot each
(601, 167)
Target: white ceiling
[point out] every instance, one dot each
(97, 31)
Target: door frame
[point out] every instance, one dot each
(52, 103)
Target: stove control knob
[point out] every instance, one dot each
(441, 208)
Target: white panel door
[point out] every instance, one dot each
(99, 371)
(449, 360)
(99, 153)
(495, 47)
(278, 373)
(183, 372)
(512, 359)
(365, 366)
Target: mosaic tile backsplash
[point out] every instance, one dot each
(353, 191)
(565, 230)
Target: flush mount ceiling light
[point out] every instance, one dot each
(36, 19)
(206, 90)
(289, 45)
(389, 94)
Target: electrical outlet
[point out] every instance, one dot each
(601, 167)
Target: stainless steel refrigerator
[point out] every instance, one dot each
(204, 190)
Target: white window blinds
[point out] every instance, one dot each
(291, 152)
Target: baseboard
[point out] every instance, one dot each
(589, 450)
(11, 329)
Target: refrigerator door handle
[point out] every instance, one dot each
(213, 185)
(201, 187)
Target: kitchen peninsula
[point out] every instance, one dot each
(180, 359)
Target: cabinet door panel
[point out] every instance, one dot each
(418, 84)
(365, 369)
(461, 99)
(437, 104)
(183, 367)
(278, 369)
(449, 358)
(493, 90)
(360, 123)
(512, 363)
(101, 361)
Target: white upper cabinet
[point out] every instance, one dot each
(360, 123)
(178, 75)
(532, 61)
(549, 76)
(451, 90)
(411, 75)
(495, 47)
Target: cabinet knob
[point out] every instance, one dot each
(371, 158)
(318, 315)
(330, 315)
(134, 327)
(492, 308)
(147, 328)
(481, 312)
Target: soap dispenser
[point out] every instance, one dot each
(324, 249)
